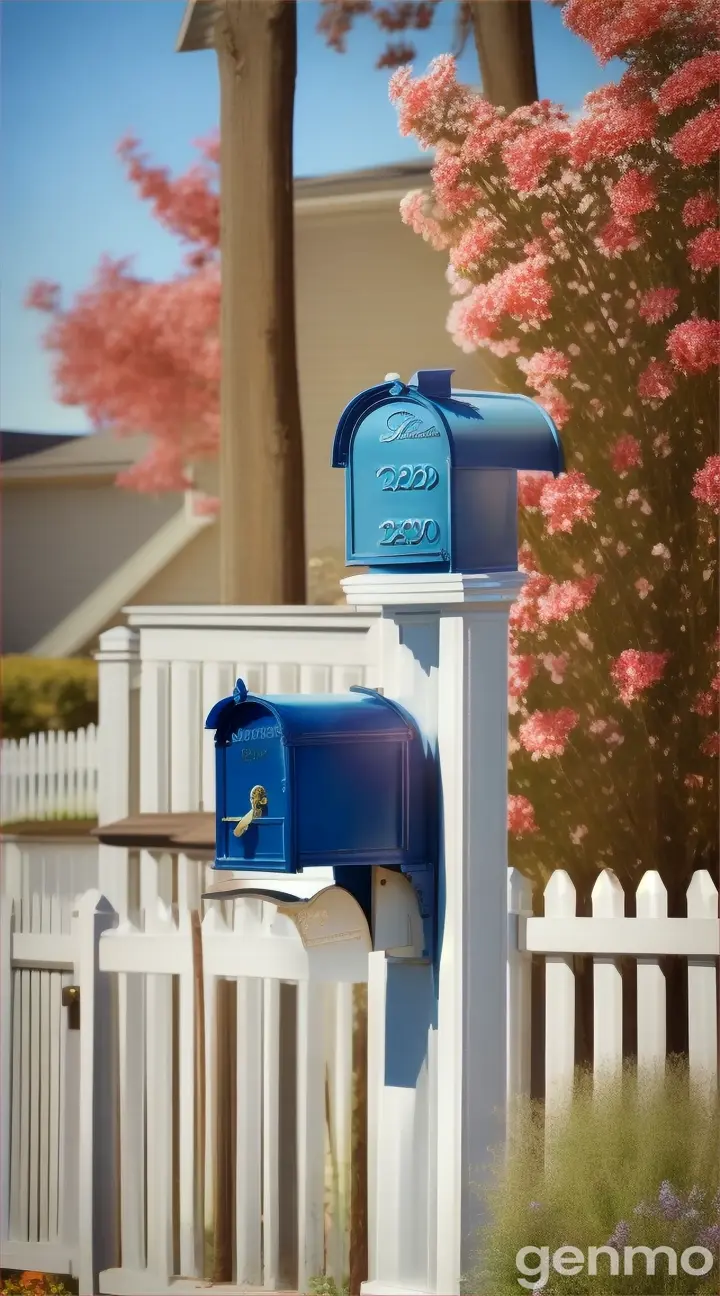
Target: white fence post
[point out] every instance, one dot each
(608, 901)
(560, 902)
(651, 902)
(519, 989)
(98, 1168)
(6, 1060)
(702, 902)
(117, 666)
(311, 1054)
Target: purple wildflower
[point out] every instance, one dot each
(710, 1237)
(671, 1206)
(620, 1236)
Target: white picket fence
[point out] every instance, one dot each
(152, 1109)
(160, 1064)
(50, 775)
(560, 936)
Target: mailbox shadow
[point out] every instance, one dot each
(411, 1013)
(251, 840)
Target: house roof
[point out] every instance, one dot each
(18, 445)
(95, 454)
(398, 176)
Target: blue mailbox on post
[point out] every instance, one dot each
(339, 780)
(431, 473)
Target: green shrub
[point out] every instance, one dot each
(40, 694)
(635, 1165)
(321, 1285)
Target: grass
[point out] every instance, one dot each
(633, 1164)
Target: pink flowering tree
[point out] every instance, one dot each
(137, 354)
(583, 257)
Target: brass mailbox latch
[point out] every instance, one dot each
(71, 1001)
(258, 802)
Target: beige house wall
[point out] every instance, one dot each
(60, 542)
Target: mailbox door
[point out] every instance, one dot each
(398, 488)
(253, 826)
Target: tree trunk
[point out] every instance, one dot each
(262, 522)
(504, 42)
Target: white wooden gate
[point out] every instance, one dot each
(214, 1098)
(40, 1061)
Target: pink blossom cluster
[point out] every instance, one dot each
(706, 488)
(521, 816)
(656, 382)
(634, 672)
(567, 500)
(687, 83)
(522, 669)
(545, 366)
(701, 209)
(545, 733)
(612, 27)
(521, 291)
(564, 599)
(694, 346)
(656, 304)
(635, 192)
(626, 453)
(704, 250)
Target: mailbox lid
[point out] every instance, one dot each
(501, 430)
(310, 717)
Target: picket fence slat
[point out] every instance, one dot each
(560, 902)
(34, 1062)
(248, 1153)
(54, 1124)
(702, 902)
(49, 776)
(131, 1094)
(608, 901)
(6, 1064)
(311, 1130)
(651, 904)
(270, 1122)
(44, 1074)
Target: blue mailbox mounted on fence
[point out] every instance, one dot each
(431, 473)
(338, 780)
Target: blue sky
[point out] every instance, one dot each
(76, 75)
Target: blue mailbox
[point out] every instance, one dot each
(431, 473)
(339, 780)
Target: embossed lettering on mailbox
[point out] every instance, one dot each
(450, 460)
